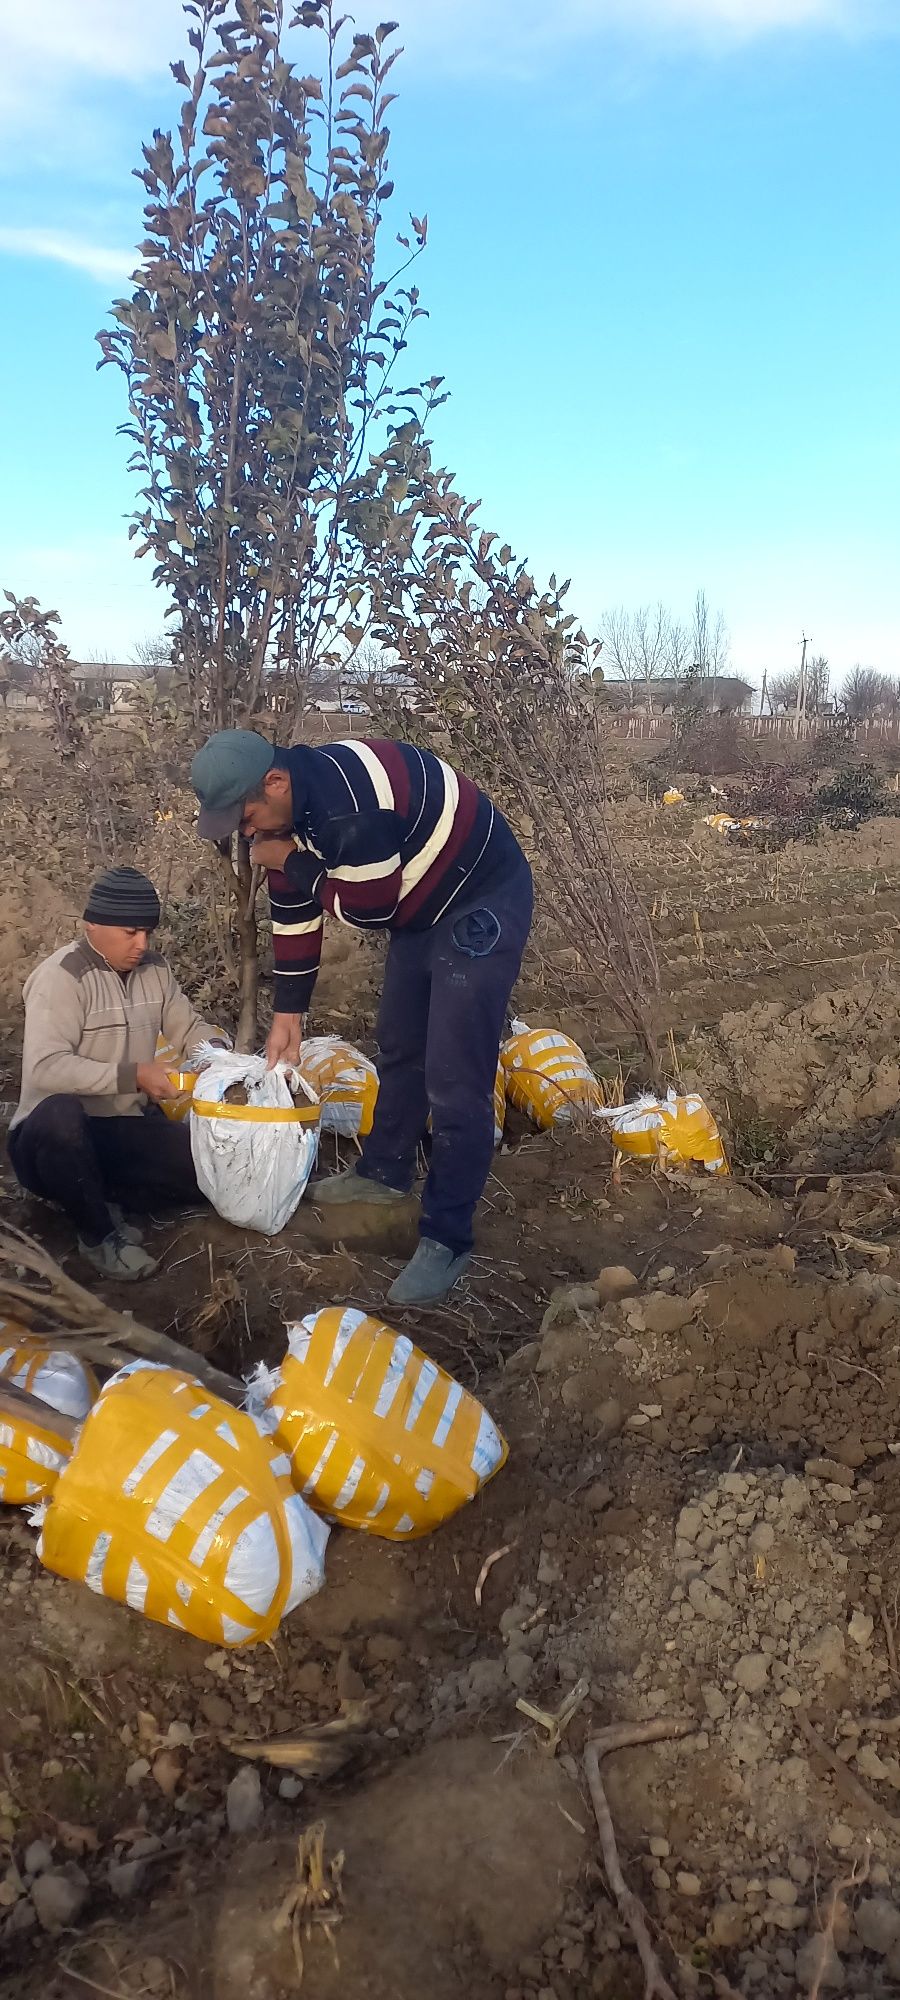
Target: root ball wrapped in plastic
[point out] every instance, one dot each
(32, 1452)
(253, 1159)
(344, 1081)
(179, 1506)
(548, 1076)
(674, 1130)
(380, 1438)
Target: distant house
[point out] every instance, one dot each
(106, 684)
(717, 694)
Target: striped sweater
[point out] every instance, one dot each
(389, 838)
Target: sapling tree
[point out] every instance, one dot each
(259, 345)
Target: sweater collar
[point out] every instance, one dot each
(293, 761)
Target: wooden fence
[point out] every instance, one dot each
(642, 728)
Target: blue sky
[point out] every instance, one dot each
(663, 282)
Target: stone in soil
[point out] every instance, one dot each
(243, 1801)
(38, 1858)
(808, 1962)
(616, 1282)
(59, 1896)
(752, 1672)
(878, 1925)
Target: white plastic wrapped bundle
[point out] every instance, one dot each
(344, 1081)
(380, 1437)
(184, 1509)
(253, 1160)
(32, 1450)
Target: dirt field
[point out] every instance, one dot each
(700, 1512)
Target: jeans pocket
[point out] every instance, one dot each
(476, 933)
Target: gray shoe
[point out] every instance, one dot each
(430, 1274)
(115, 1258)
(351, 1186)
(129, 1231)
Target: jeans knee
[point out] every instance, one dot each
(60, 1119)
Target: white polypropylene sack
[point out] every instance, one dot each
(253, 1170)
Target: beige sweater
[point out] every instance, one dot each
(86, 1029)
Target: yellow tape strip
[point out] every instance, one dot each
(257, 1114)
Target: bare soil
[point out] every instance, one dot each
(700, 1509)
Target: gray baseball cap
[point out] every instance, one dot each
(224, 773)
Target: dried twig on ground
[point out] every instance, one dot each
(495, 1556)
(315, 1898)
(315, 1753)
(61, 1310)
(624, 1736)
(858, 1875)
(556, 1721)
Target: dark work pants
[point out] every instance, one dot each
(441, 1021)
(84, 1163)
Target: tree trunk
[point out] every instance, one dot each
(248, 937)
(238, 884)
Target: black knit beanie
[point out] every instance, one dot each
(123, 896)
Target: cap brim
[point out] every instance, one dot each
(221, 825)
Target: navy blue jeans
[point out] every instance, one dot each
(440, 1025)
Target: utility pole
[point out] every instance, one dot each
(800, 704)
(762, 692)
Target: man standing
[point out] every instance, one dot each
(387, 837)
(87, 1133)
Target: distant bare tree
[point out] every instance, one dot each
(783, 688)
(651, 625)
(680, 651)
(619, 658)
(863, 693)
(709, 639)
(644, 645)
(152, 652)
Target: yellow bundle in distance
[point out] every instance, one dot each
(345, 1082)
(380, 1438)
(32, 1454)
(548, 1076)
(671, 1130)
(176, 1504)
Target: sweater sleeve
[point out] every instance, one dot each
(54, 1024)
(364, 870)
(297, 919)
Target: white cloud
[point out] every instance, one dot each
(58, 247)
(111, 38)
(57, 46)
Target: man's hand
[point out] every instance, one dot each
(285, 1036)
(271, 851)
(154, 1081)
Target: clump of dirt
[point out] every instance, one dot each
(758, 1355)
(824, 1068)
(751, 1618)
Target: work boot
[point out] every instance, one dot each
(430, 1274)
(352, 1186)
(129, 1231)
(116, 1258)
